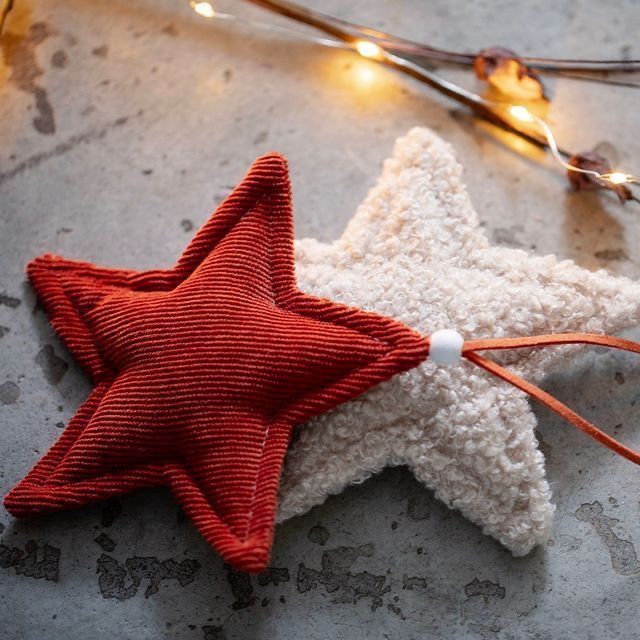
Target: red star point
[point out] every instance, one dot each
(202, 371)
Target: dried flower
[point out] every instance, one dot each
(504, 70)
(593, 161)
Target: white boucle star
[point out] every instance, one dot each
(414, 251)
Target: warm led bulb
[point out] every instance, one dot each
(521, 113)
(368, 49)
(203, 9)
(617, 178)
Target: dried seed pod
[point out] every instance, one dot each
(593, 161)
(503, 70)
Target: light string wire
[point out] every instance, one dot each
(345, 30)
(488, 109)
(205, 10)
(519, 112)
(614, 177)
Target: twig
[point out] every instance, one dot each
(586, 170)
(466, 98)
(478, 105)
(569, 75)
(5, 8)
(350, 31)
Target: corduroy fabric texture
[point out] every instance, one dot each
(202, 371)
(415, 251)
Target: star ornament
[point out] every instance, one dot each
(414, 251)
(202, 371)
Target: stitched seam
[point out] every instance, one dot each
(259, 473)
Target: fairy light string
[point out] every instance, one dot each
(206, 10)
(496, 112)
(523, 114)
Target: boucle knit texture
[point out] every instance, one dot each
(414, 251)
(203, 370)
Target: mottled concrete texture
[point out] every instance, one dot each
(123, 123)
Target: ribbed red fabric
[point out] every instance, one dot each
(201, 371)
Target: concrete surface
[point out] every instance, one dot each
(123, 123)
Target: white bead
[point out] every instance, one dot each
(445, 347)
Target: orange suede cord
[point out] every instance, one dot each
(471, 347)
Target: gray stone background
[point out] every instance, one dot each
(123, 124)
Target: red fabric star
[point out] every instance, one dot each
(203, 370)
